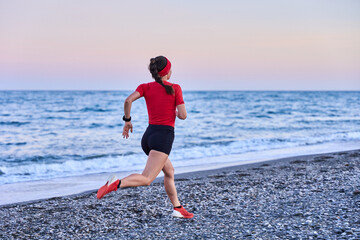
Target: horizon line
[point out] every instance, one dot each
(202, 90)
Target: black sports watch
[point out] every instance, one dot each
(126, 119)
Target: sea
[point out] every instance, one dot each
(57, 134)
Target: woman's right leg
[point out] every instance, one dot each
(169, 183)
(154, 164)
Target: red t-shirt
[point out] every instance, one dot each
(160, 105)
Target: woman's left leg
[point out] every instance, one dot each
(154, 165)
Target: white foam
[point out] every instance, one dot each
(180, 157)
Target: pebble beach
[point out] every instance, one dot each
(305, 197)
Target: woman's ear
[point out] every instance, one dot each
(169, 74)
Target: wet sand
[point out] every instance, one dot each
(305, 197)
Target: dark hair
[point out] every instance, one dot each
(156, 65)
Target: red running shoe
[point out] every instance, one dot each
(110, 185)
(182, 213)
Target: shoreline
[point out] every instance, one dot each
(302, 197)
(97, 179)
(37, 190)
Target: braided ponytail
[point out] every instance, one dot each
(153, 68)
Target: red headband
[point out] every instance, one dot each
(166, 69)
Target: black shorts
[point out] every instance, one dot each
(159, 138)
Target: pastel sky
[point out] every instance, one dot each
(213, 45)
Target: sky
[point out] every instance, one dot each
(213, 45)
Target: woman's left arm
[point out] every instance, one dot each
(127, 108)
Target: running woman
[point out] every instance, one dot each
(164, 103)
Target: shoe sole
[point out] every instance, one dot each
(178, 214)
(111, 179)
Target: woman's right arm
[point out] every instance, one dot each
(181, 111)
(127, 105)
(127, 108)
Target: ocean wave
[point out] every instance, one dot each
(352, 135)
(55, 117)
(64, 111)
(43, 170)
(89, 157)
(280, 112)
(15, 143)
(14, 123)
(89, 109)
(46, 159)
(221, 148)
(115, 125)
(95, 125)
(193, 151)
(99, 125)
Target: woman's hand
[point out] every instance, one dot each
(128, 126)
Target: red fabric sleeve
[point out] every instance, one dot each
(141, 89)
(178, 95)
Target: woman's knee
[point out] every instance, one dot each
(147, 181)
(170, 172)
